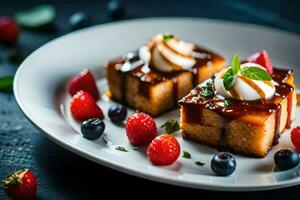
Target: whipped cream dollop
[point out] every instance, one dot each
(167, 53)
(245, 88)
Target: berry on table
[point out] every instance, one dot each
(9, 31)
(163, 150)
(223, 164)
(83, 106)
(117, 113)
(21, 185)
(79, 20)
(286, 159)
(140, 128)
(295, 137)
(92, 128)
(84, 81)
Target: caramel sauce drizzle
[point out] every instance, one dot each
(252, 84)
(165, 44)
(235, 94)
(269, 83)
(177, 67)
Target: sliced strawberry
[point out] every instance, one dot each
(84, 81)
(262, 58)
(21, 185)
(83, 107)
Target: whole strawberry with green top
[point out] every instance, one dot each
(21, 185)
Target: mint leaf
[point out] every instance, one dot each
(6, 84)
(235, 64)
(171, 126)
(206, 93)
(119, 148)
(36, 17)
(199, 163)
(226, 103)
(168, 36)
(256, 73)
(186, 154)
(228, 79)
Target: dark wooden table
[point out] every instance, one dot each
(64, 175)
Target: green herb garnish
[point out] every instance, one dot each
(228, 79)
(119, 148)
(199, 163)
(186, 154)
(256, 73)
(168, 36)
(6, 84)
(252, 72)
(171, 126)
(226, 103)
(235, 64)
(206, 92)
(135, 148)
(36, 17)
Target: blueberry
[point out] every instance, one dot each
(115, 9)
(117, 113)
(286, 159)
(79, 20)
(92, 128)
(223, 164)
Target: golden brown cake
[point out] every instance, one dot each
(248, 127)
(155, 84)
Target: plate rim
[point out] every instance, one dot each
(132, 171)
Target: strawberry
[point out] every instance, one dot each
(83, 107)
(163, 150)
(140, 128)
(84, 81)
(295, 137)
(9, 31)
(262, 58)
(21, 185)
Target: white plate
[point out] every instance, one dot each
(39, 88)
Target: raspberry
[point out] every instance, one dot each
(140, 128)
(163, 150)
(9, 31)
(84, 81)
(83, 107)
(295, 137)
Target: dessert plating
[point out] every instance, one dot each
(152, 79)
(245, 118)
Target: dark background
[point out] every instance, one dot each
(64, 175)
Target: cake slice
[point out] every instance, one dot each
(228, 120)
(154, 78)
